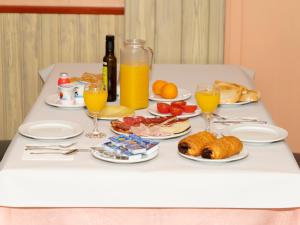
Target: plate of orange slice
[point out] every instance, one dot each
(164, 91)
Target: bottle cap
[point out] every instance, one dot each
(110, 37)
(63, 74)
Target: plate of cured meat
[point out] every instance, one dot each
(152, 127)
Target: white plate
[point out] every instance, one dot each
(257, 133)
(236, 103)
(160, 137)
(152, 109)
(53, 100)
(182, 95)
(243, 154)
(98, 155)
(50, 129)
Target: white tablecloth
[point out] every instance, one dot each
(267, 178)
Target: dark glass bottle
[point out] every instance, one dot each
(109, 70)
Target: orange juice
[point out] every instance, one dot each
(95, 100)
(134, 86)
(208, 100)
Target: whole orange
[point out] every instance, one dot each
(157, 86)
(169, 91)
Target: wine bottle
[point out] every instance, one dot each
(109, 71)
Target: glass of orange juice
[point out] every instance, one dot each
(95, 97)
(208, 99)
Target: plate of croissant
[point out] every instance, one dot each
(235, 94)
(206, 147)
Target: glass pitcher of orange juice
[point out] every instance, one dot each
(135, 65)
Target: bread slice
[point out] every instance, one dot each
(229, 92)
(250, 96)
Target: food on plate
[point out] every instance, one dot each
(179, 104)
(189, 108)
(206, 145)
(175, 108)
(169, 91)
(229, 92)
(194, 144)
(222, 148)
(157, 86)
(165, 89)
(157, 126)
(163, 108)
(87, 77)
(176, 111)
(232, 92)
(116, 111)
(251, 96)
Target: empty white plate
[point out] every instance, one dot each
(50, 129)
(257, 133)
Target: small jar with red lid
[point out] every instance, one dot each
(63, 79)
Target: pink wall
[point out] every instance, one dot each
(264, 35)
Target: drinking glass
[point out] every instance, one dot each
(208, 99)
(95, 97)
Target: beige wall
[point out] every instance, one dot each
(265, 36)
(179, 31)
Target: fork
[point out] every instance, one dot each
(66, 152)
(56, 147)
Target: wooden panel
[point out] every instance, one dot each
(2, 81)
(12, 60)
(216, 31)
(31, 55)
(50, 35)
(62, 10)
(80, 3)
(140, 21)
(89, 30)
(69, 38)
(168, 31)
(195, 31)
(120, 35)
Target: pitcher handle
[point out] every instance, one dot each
(150, 52)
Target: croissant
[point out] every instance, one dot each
(222, 148)
(194, 144)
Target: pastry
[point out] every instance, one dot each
(87, 77)
(194, 144)
(250, 96)
(222, 148)
(229, 92)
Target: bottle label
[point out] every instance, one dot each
(104, 74)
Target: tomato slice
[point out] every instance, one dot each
(179, 104)
(163, 108)
(189, 108)
(176, 111)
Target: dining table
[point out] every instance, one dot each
(41, 189)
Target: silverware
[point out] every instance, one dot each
(240, 121)
(58, 146)
(65, 152)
